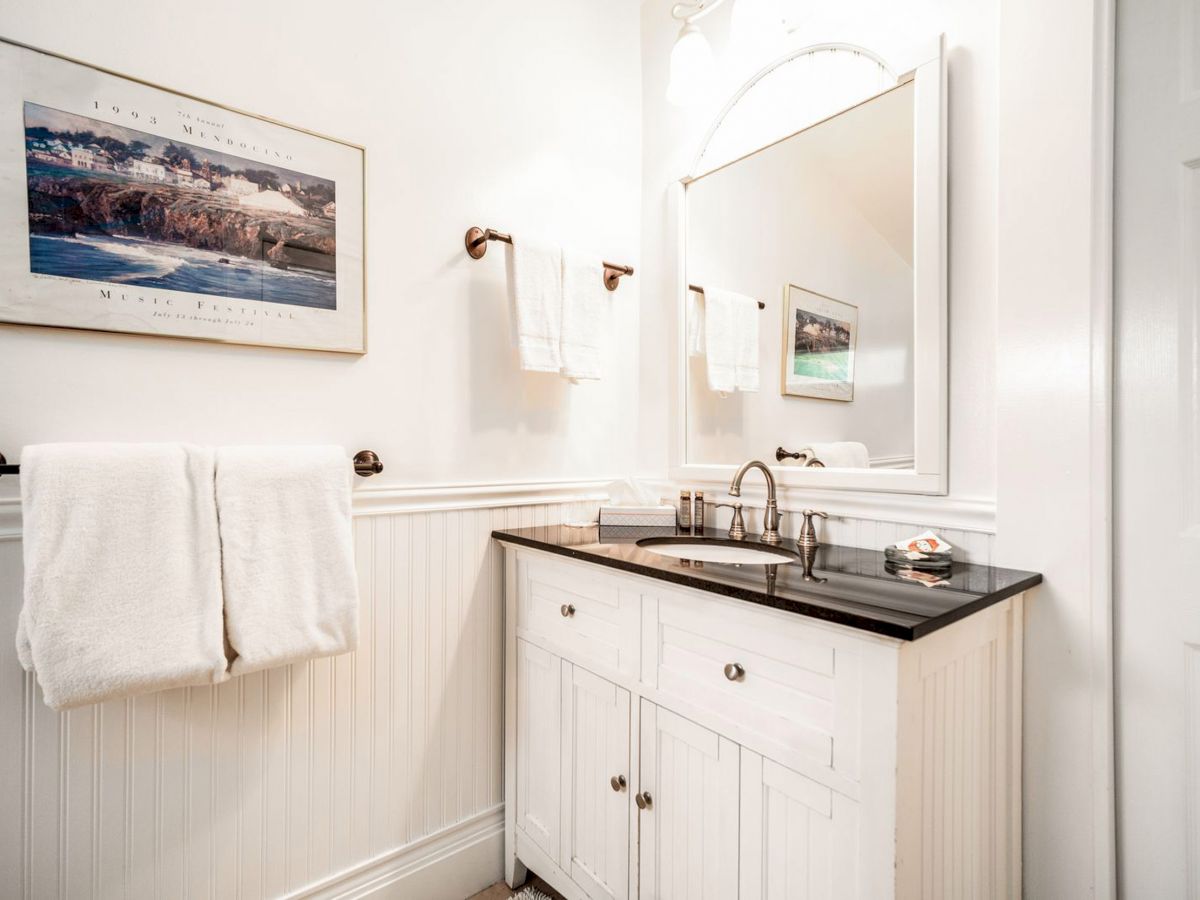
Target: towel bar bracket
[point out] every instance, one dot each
(366, 464)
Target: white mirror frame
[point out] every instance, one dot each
(929, 474)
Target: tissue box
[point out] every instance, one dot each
(649, 516)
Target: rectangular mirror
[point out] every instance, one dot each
(837, 230)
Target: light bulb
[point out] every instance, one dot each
(691, 67)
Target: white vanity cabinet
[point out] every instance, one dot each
(667, 742)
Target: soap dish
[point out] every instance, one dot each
(925, 551)
(918, 559)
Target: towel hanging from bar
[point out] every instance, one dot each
(477, 238)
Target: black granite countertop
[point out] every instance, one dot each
(850, 586)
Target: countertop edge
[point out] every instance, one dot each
(820, 613)
(815, 611)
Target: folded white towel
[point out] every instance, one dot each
(122, 570)
(287, 554)
(839, 454)
(731, 340)
(585, 304)
(535, 289)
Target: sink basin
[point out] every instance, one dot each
(715, 550)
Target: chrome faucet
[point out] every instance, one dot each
(771, 516)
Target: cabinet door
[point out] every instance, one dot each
(539, 710)
(689, 828)
(595, 811)
(799, 839)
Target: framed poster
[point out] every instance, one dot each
(128, 207)
(819, 336)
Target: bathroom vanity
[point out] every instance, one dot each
(676, 728)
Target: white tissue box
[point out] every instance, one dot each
(650, 516)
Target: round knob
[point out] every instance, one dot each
(617, 782)
(642, 800)
(567, 610)
(734, 671)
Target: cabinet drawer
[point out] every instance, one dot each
(587, 617)
(792, 691)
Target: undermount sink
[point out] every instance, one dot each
(701, 549)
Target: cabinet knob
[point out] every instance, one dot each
(643, 800)
(567, 610)
(617, 782)
(734, 671)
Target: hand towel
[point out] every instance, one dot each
(585, 305)
(731, 340)
(122, 570)
(535, 288)
(287, 554)
(839, 454)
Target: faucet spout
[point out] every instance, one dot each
(771, 516)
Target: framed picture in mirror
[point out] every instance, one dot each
(819, 337)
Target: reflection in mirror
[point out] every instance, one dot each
(818, 227)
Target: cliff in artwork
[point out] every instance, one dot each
(67, 204)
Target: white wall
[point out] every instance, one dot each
(321, 775)
(1054, 424)
(673, 136)
(524, 119)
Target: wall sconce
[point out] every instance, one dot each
(692, 64)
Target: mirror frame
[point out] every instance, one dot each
(929, 474)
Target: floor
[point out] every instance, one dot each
(500, 891)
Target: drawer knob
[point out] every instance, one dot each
(643, 800)
(734, 671)
(617, 782)
(567, 610)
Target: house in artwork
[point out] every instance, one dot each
(239, 186)
(328, 210)
(147, 168)
(82, 157)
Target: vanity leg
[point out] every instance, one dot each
(514, 870)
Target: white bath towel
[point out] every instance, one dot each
(287, 554)
(122, 570)
(730, 340)
(535, 293)
(838, 454)
(585, 306)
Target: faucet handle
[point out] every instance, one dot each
(808, 533)
(737, 528)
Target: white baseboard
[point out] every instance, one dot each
(451, 865)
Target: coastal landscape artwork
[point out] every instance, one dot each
(148, 211)
(819, 342)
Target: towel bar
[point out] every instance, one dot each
(696, 289)
(806, 461)
(477, 239)
(366, 464)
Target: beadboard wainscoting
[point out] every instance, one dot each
(973, 544)
(379, 769)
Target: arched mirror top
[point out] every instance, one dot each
(780, 99)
